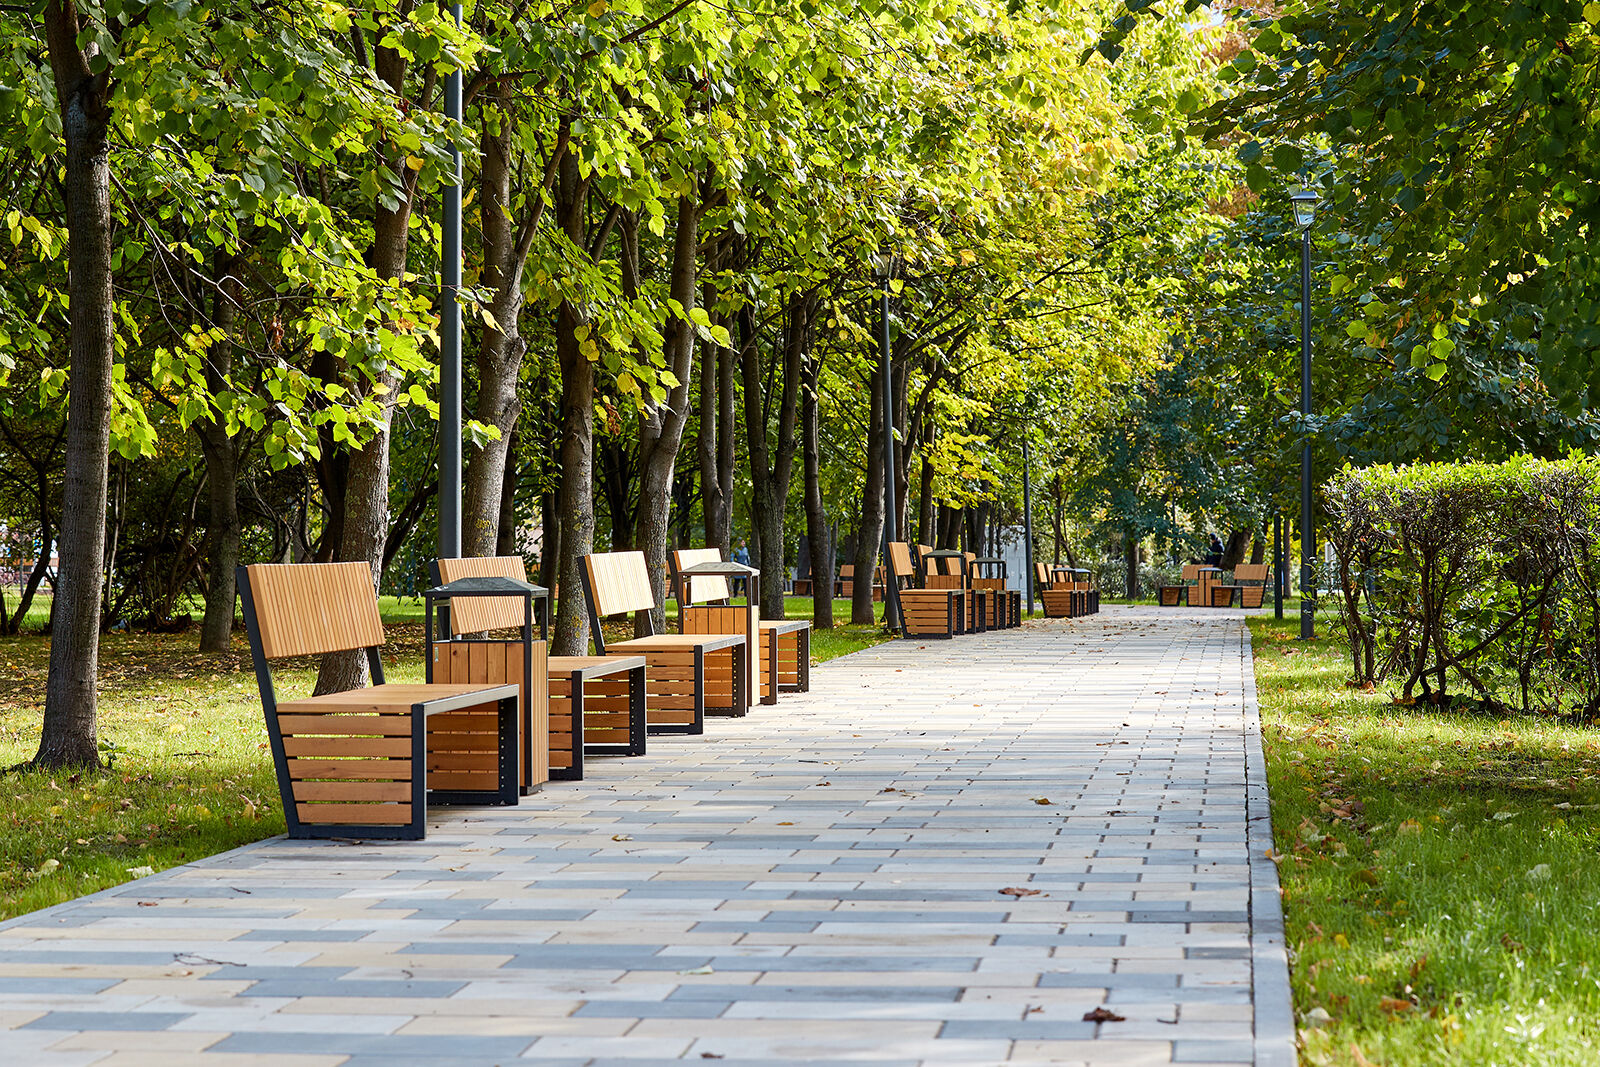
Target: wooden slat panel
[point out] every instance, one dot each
(345, 725)
(368, 792)
(390, 769)
(620, 581)
(475, 614)
(325, 747)
(702, 588)
(305, 609)
(354, 814)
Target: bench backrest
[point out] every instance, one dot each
(475, 614)
(619, 583)
(1191, 572)
(307, 609)
(1251, 572)
(900, 565)
(703, 588)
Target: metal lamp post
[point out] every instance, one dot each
(881, 269)
(1305, 213)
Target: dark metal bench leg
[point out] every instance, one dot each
(636, 725)
(576, 704)
(771, 667)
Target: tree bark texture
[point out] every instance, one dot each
(661, 428)
(818, 531)
(714, 445)
(221, 453)
(70, 733)
(577, 437)
(869, 533)
(772, 463)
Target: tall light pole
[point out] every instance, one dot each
(1027, 523)
(881, 269)
(1305, 213)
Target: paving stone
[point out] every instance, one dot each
(753, 912)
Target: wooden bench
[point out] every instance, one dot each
(924, 612)
(688, 676)
(596, 709)
(989, 575)
(947, 569)
(1251, 578)
(367, 762)
(705, 606)
(1060, 599)
(470, 658)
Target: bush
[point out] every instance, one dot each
(1482, 574)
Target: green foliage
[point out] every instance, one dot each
(1481, 573)
(1434, 863)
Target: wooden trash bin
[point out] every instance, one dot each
(474, 598)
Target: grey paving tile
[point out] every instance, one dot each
(105, 1020)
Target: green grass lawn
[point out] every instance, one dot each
(189, 772)
(1441, 870)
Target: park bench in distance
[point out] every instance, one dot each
(924, 612)
(365, 763)
(1061, 599)
(687, 675)
(1251, 578)
(705, 607)
(1008, 602)
(572, 707)
(947, 569)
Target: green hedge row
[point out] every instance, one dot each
(1475, 575)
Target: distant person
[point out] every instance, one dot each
(740, 554)
(1214, 558)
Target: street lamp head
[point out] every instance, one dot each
(1305, 207)
(882, 262)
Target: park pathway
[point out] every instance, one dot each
(834, 879)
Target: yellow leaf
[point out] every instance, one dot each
(598, 8)
(414, 162)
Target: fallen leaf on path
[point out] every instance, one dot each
(1103, 1015)
(622, 837)
(1041, 800)
(1019, 891)
(700, 970)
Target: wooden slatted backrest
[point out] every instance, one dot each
(900, 564)
(1041, 573)
(620, 582)
(475, 614)
(1250, 572)
(306, 609)
(704, 588)
(1191, 572)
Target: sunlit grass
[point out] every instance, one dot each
(1440, 872)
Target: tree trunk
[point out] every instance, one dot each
(500, 353)
(817, 528)
(869, 533)
(505, 543)
(1238, 545)
(714, 447)
(771, 469)
(576, 527)
(661, 428)
(70, 734)
(366, 501)
(221, 454)
(925, 496)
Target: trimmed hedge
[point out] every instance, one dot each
(1473, 574)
